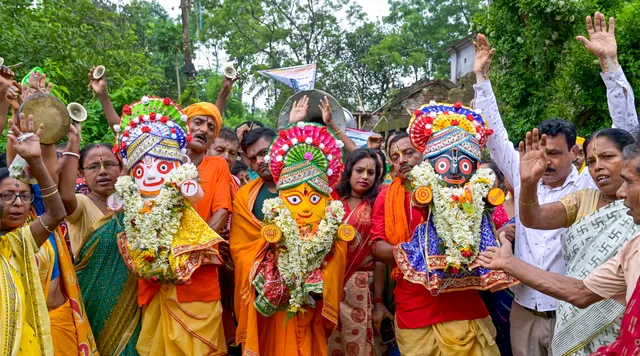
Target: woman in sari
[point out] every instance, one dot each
(357, 191)
(108, 289)
(598, 226)
(23, 304)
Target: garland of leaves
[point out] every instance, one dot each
(457, 212)
(301, 252)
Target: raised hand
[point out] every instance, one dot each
(26, 139)
(533, 158)
(374, 141)
(495, 258)
(299, 110)
(13, 96)
(327, 115)
(99, 86)
(227, 83)
(484, 54)
(602, 42)
(37, 85)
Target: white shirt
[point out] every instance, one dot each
(543, 248)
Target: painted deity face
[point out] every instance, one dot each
(152, 173)
(307, 206)
(454, 166)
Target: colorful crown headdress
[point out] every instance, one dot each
(306, 153)
(152, 126)
(436, 128)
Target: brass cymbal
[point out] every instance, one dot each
(50, 111)
(314, 114)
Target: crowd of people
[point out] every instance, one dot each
(554, 271)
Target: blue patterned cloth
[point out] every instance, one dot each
(415, 264)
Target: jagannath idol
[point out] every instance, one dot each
(442, 253)
(164, 238)
(303, 226)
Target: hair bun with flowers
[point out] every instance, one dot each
(306, 152)
(152, 126)
(436, 128)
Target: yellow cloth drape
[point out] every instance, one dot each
(22, 301)
(451, 338)
(173, 328)
(304, 334)
(63, 329)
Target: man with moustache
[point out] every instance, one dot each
(618, 278)
(245, 237)
(533, 314)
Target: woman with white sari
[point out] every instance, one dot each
(598, 226)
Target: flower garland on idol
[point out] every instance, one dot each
(151, 225)
(313, 244)
(304, 153)
(457, 212)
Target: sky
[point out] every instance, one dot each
(375, 9)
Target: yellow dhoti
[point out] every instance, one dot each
(173, 328)
(451, 338)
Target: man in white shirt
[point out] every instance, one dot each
(533, 313)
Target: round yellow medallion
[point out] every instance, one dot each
(496, 196)
(346, 232)
(422, 196)
(271, 233)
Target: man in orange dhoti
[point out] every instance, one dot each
(266, 327)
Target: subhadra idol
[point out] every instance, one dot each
(303, 226)
(457, 194)
(164, 239)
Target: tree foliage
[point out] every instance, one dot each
(540, 71)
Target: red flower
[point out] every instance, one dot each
(164, 119)
(152, 116)
(288, 142)
(455, 122)
(166, 101)
(173, 130)
(282, 134)
(125, 134)
(323, 129)
(300, 139)
(132, 124)
(417, 112)
(146, 129)
(149, 258)
(489, 132)
(427, 132)
(123, 145)
(126, 110)
(326, 150)
(429, 120)
(316, 142)
(280, 164)
(189, 138)
(115, 149)
(454, 270)
(457, 105)
(470, 117)
(466, 254)
(455, 198)
(281, 152)
(141, 118)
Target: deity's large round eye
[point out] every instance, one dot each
(442, 165)
(294, 199)
(465, 166)
(164, 167)
(138, 172)
(315, 199)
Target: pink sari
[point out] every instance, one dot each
(354, 335)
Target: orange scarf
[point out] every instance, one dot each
(396, 226)
(248, 248)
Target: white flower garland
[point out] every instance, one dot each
(301, 254)
(151, 226)
(457, 212)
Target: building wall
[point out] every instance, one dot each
(462, 60)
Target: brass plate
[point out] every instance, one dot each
(50, 111)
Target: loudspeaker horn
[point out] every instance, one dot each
(77, 112)
(229, 71)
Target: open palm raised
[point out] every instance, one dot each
(533, 157)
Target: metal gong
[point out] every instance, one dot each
(50, 111)
(314, 114)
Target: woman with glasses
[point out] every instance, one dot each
(22, 300)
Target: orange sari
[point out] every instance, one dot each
(305, 334)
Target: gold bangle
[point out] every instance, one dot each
(45, 226)
(528, 204)
(50, 194)
(47, 188)
(338, 132)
